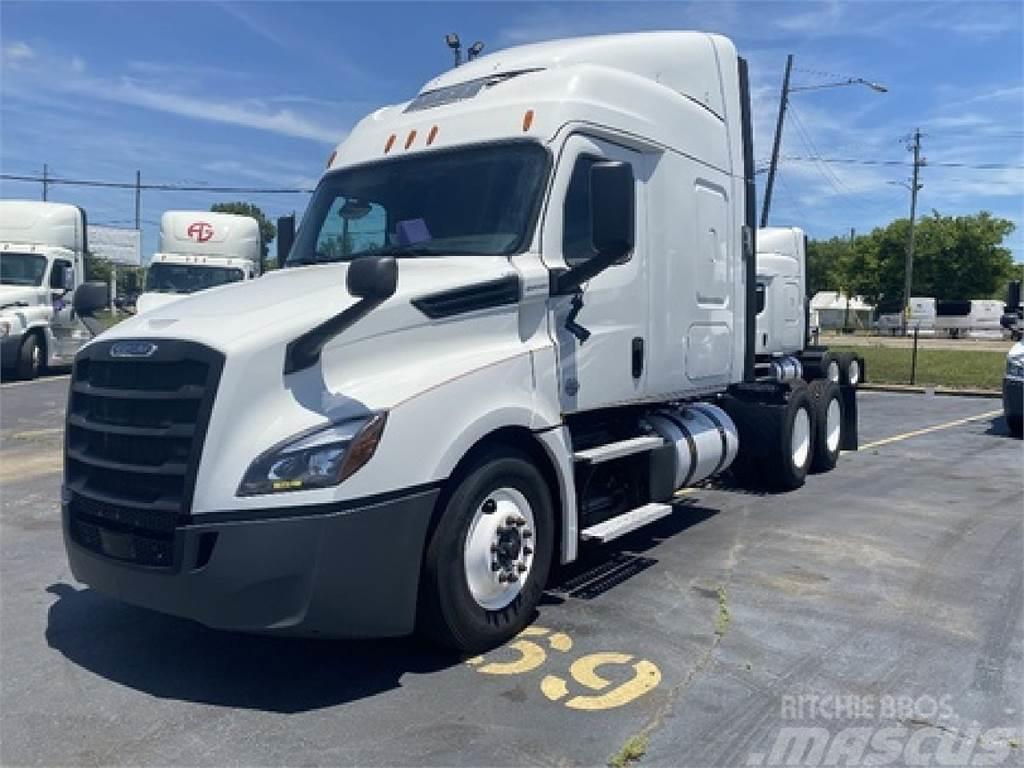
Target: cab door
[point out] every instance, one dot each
(610, 365)
(63, 325)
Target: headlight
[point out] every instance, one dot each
(5, 328)
(318, 459)
(1015, 367)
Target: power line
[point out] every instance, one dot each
(50, 180)
(854, 161)
(827, 173)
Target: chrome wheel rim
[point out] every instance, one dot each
(853, 372)
(498, 553)
(832, 372)
(800, 442)
(833, 425)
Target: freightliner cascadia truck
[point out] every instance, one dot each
(200, 250)
(42, 261)
(783, 344)
(518, 316)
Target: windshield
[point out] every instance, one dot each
(188, 278)
(22, 268)
(470, 201)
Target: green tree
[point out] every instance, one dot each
(267, 229)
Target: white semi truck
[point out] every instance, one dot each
(518, 316)
(42, 260)
(783, 346)
(200, 250)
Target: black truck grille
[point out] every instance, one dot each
(134, 435)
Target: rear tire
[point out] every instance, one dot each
(29, 358)
(849, 369)
(776, 440)
(465, 604)
(828, 424)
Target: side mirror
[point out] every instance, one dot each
(373, 277)
(612, 208)
(612, 223)
(90, 298)
(285, 238)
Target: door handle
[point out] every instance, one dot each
(638, 357)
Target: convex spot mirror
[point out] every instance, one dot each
(372, 277)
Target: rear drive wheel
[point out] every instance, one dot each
(849, 369)
(487, 562)
(30, 357)
(828, 424)
(776, 440)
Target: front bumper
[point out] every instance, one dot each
(1013, 398)
(349, 571)
(9, 348)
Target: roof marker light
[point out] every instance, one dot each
(527, 120)
(410, 138)
(390, 143)
(330, 159)
(432, 135)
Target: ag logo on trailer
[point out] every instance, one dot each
(200, 231)
(133, 349)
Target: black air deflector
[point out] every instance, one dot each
(470, 298)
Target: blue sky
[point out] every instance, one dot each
(257, 93)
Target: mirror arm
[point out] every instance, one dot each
(565, 281)
(304, 351)
(577, 330)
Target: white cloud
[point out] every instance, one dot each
(17, 51)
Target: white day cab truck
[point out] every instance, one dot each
(518, 316)
(783, 346)
(200, 250)
(42, 261)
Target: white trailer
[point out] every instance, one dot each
(783, 345)
(42, 260)
(518, 316)
(200, 250)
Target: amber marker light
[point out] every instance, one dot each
(390, 143)
(527, 120)
(432, 135)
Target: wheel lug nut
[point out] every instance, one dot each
(513, 577)
(527, 533)
(494, 548)
(511, 520)
(527, 550)
(521, 521)
(489, 506)
(521, 567)
(495, 566)
(503, 577)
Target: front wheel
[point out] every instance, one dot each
(30, 358)
(488, 560)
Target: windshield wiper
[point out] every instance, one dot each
(390, 250)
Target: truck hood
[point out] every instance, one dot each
(283, 304)
(20, 294)
(155, 300)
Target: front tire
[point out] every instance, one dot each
(30, 358)
(487, 562)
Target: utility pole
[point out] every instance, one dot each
(46, 180)
(849, 288)
(914, 187)
(778, 141)
(138, 199)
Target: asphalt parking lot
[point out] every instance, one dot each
(896, 579)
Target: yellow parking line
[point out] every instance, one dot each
(926, 430)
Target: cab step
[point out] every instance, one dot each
(617, 450)
(618, 526)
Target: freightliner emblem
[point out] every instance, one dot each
(133, 349)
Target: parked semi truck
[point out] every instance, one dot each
(42, 260)
(200, 250)
(783, 344)
(518, 316)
